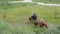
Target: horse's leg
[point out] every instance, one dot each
(4, 16)
(34, 21)
(41, 25)
(36, 24)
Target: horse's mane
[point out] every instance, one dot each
(42, 20)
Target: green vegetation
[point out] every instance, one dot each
(9, 0)
(18, 14)
(47, 1)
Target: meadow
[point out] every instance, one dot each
(18, 14)
(9, 0)
(44, 1)
(48, 1)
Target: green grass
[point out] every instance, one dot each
(47, 1)
(9, 0)
(18, 14)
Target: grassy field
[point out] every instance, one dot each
(18, 14)
(9, 0)
(47, 1)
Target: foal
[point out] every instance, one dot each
(41, 23)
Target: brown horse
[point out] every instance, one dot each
(41, 23)
(4, 16)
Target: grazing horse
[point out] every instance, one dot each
(33, 18)
(41, 23)
(4, 16)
